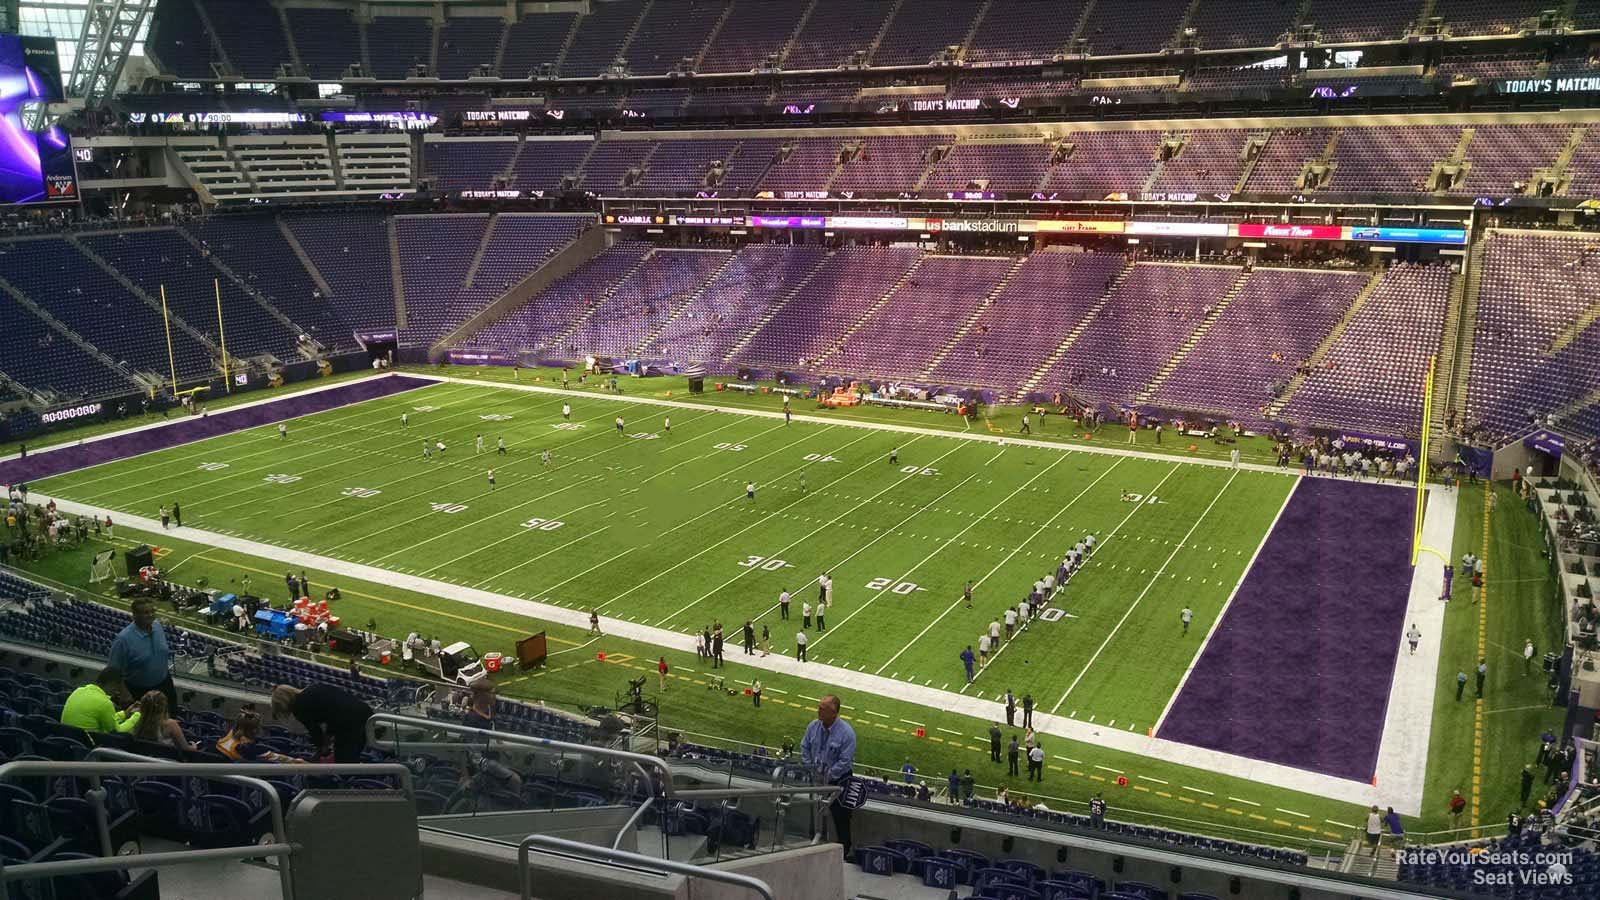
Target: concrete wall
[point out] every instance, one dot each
(808, 873)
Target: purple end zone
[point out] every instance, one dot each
(1299, 670)
(71, 457)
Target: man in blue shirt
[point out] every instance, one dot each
(140, 651)
(829, 749)
(967, 659)
(909, 771)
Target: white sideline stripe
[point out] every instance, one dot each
(909, 722)
(1008, 440)
(1223, 612)
(1152, 583)
(878, 714)
(1109, 769)
(1244, 801)
(948, 731)
(1340, 824)
(1199, 791)
(1226, 764)
(987, 575)
(1290, 812)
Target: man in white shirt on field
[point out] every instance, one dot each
(983, 650)
(1011, 623)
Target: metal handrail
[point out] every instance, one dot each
(560, 846)
(238, 773)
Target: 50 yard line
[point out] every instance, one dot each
(1153, 579)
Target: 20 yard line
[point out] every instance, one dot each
(1001, 563)
(1153, 579)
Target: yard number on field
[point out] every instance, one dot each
(361, 492)
(820, 457)
(1054, 614)
(900, 587)
(281, 479)
(543, 524)
(918, 470)
(448, 508)
(212, 467)
(567, 426)
(726, 446)
(765, 564)
(495, 417)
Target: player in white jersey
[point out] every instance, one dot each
(544, 457)
(283, 430)
(405, 420)
(566, 411)
(427, 450)
(478, 447)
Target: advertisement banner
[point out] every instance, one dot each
(1411, 235)
(482, 358)
(974, 226)
(1372, 441)
(709, 221)
(1180, 229)
(788, 221)
(1073, 226)
(1291, 232)
(870, 223)
(1546, 442)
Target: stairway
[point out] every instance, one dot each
(500, 49)
(221, 52)
(1083, 21)
(1327, 344)
(611, 291)
(1358, 860)
(566, 45)
(288, 38)
(1188, 16)
(783, 301)
(654, 336)
(396, 276)
(1557, 171)
(335, 162)
(884, 29)
(153, 302)
(870, 311)
(1454, 367)
(1199, 332)
(225, 272)
(577, 171)
(305, 259)
(633, 32)
(366, 55)
(838, 168)
(711, 38)
(483, 245)
(799, 27)
(972, 320)
(506, 175)
(1077, 331)
(977, 21)
(61, 328)
(433, 51)
(1263, 139)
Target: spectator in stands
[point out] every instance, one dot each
(330, 715)
(140, 651)
(242, 743)
(829, 748)
(91, 707)
(156, 726)
(480, 709)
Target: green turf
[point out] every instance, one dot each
(1157, 792)
(657, 530)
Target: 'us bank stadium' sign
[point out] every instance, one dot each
(1573, 84)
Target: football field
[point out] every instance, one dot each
(652, 525)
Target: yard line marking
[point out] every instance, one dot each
(1108, 769)
(878, 714)
(919, 511)
(1198, 790)
(1340, 824)
(998, 566)
(948, 731)
(579, 647)
(1244, 801)
(518, 533)
(794, 543)
(1216, 622)
(1290, 812)
(1135, 604)
(909, 722)
(519, 565)
(812, 699)
(1068, 759)
(1148, 778)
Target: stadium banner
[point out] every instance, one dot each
(874, 223)
(1180, 229)
(1291, 232)
(1546, 442)
(709, 221)
(1411, 235)
(1374, 441)
(406, 120)
(483, 358)
(1072, 226)
(973, 226)
(788, 221)
(1587, 83)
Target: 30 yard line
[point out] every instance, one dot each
(1152, 583)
